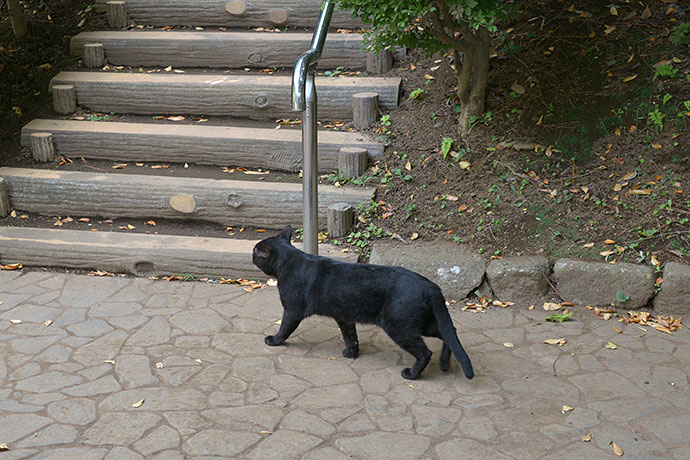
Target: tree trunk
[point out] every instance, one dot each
(17, 19)
(472, 78)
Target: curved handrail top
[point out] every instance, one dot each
(308, 59)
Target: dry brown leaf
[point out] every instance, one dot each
(4, 447)
(151, 222)
(518, 88)
(138, 403)
(611, 346)
(617, 450)
(508, 345)
(119, 166)
(565, 409)
(17, 266)
(586, 438)
(414, 236)
(550, 306)
(560, 341)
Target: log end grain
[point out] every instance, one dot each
(278, 16)
(185, 204)
(365, 109)
(94, 55)
(236, 7)
(352, 161)
(4, 199)
(341, 218)
(43, 147)
(64, 99)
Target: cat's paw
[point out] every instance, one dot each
(351, 352)
(271, 341)
(409, 374)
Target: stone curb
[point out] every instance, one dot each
(459, 271)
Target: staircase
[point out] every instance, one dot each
(198, 86)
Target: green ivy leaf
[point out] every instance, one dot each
(559, 317)
(621, 296)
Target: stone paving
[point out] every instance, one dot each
(134, 368)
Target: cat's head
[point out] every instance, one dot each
(266, 254)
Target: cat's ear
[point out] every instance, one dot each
(286, 233)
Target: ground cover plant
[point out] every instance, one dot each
(582, 150)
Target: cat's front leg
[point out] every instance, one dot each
(349, 332)
(288, 325)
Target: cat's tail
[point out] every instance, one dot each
(448, 334)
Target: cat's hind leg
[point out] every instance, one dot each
(349, 332)
(413, 344)
(288, 325)
(445, 357)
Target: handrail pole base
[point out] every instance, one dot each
(310, 194)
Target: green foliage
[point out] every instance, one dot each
(402, 22)
(446, 145)
(416, 94)
(621, 296)
(680, 34)
(656, 118)
(559, 317)
(665, 70)
(335, 72)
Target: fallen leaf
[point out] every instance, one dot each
(176, 118)
(630, 78)
(613, 11)
(151, 222)
(559, 317)
(550, 306)
(109, 361)
(16, 321)
(4, 447)
(119, 166)
(517, 88)
(560, 342)
(611, 346)
(160, 166)
(272, 282)
(565, 409)
(646, 14)
(17, 266)
(508, 345)
(159, 365)
(609, 242)
(47, 323)
(138, 403)
(586, 438)
(464, 164)
(588, 245)
(617, 450)
(656, 146)
(414, 236)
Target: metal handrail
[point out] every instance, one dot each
(304, 100)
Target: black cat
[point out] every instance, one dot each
(406, 305)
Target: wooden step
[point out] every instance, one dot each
(300, 13)
(229, 202)
(273, 149)
(219, 49)
(135, 253)
(237, 94)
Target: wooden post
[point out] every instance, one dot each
(341, 217)
(278, 16)
(379, 62)
(64, 99)
(94, 55)
(352, 161)
(365, 109)
(235, 8)
(42, 147)
(116, 14)
(4, 199)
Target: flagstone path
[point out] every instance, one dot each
(132, 368)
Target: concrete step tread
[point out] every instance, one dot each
(219, 49)
(243, 95)
(136, 253)
(228, 202)
(300, 13)
(268, 148)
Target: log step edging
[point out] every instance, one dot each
(219, 49)
(240, 95)
(273, 149)
(228, 202)
(256, 13)
(136, 253)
